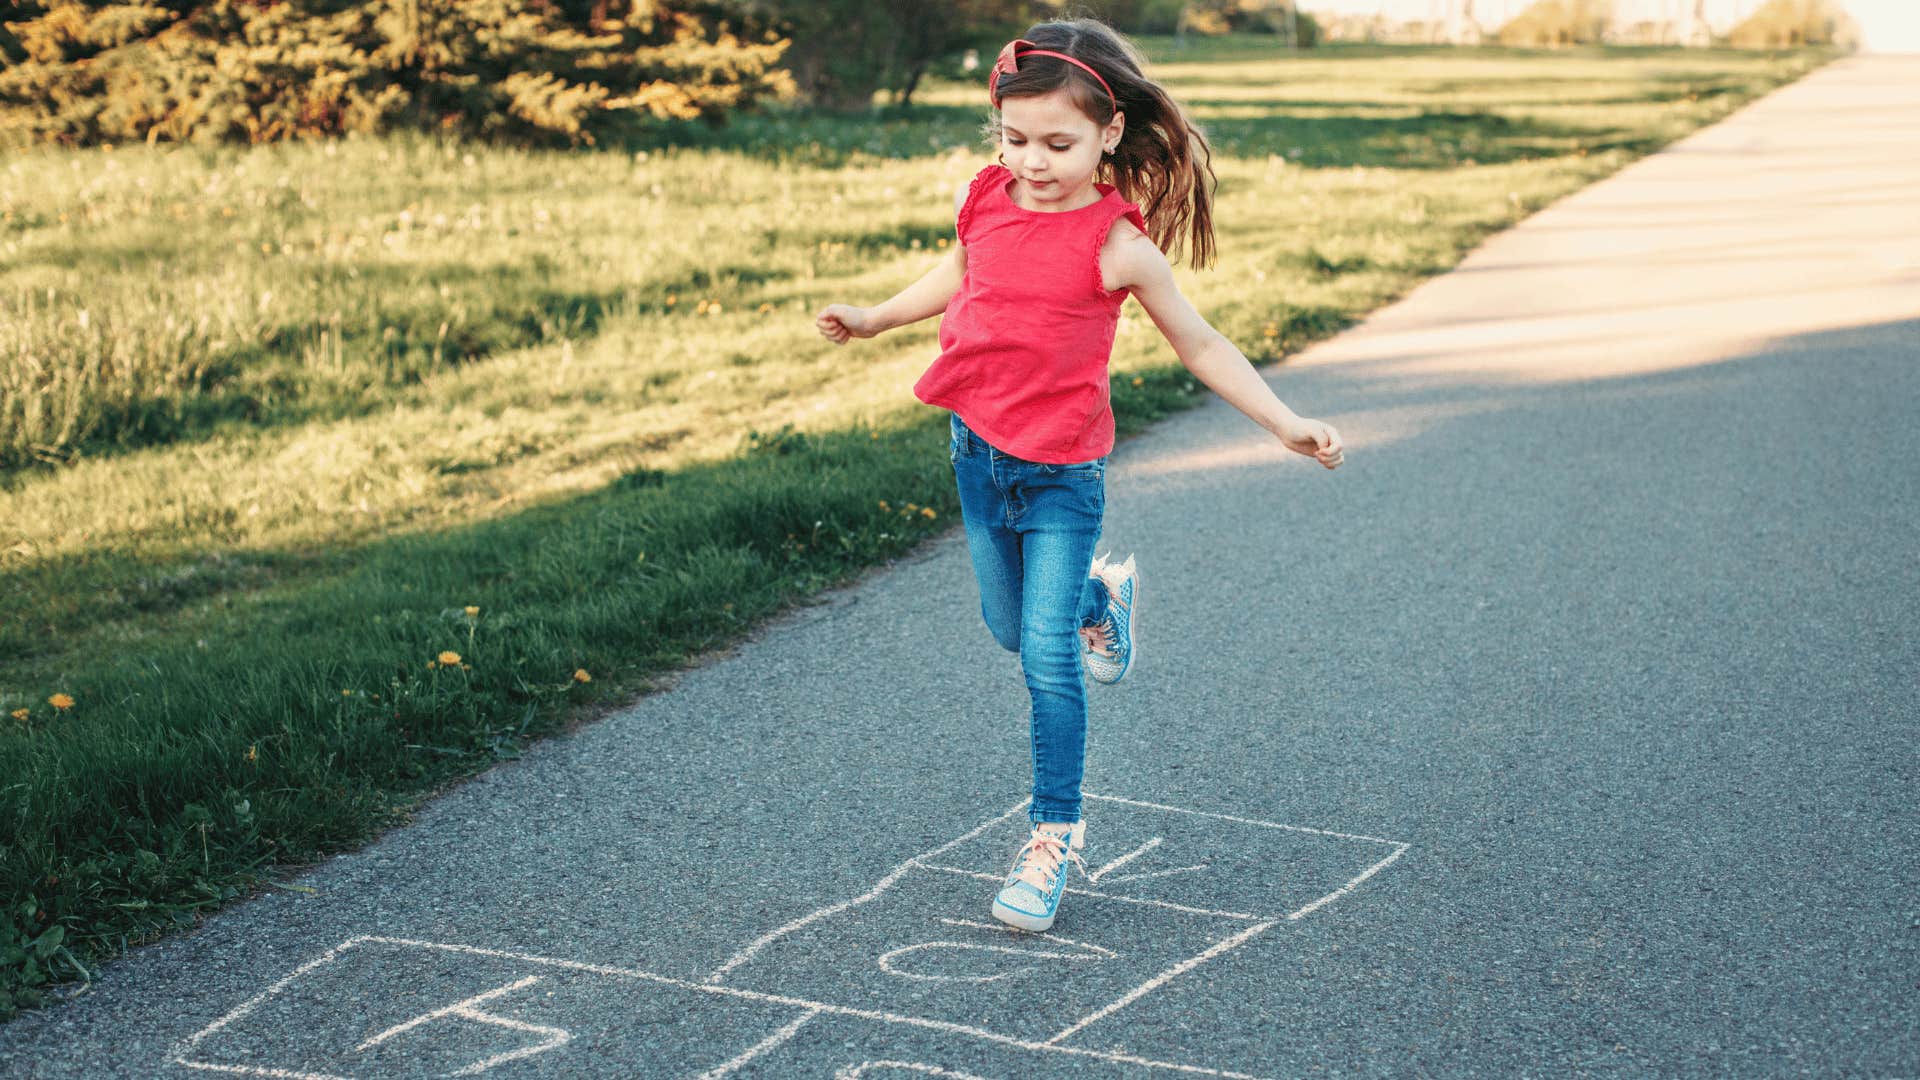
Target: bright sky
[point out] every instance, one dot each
(1887, 25)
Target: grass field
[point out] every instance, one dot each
(285, 429)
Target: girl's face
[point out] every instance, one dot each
(1053, 149)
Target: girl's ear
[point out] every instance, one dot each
(1110, 135)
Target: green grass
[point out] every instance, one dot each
(273, 419)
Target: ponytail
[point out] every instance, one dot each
(1161, 155)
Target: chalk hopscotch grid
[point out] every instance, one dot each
(811, 1009)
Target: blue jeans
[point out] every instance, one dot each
(1031, 528)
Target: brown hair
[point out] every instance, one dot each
(1161, 154)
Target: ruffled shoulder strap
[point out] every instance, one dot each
(983, 184)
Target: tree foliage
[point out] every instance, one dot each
(573, 71)
(844, 51)
(1783, 24)
(1558, 23)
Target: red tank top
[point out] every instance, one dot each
(1024, 344)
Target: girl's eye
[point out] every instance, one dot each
(1050, 146)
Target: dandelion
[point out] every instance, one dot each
(21, 715)
(885, 507)
(472, 611)
(927, 512)
(253, 754)
(700, 308)
(765, 308)
(1137, 380)
(580, 675)
(713, 308)
(1271, 330)
(449, 658)
(672, 299)
(346, 693)
(60, 701)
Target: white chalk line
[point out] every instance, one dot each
(436, 1014)
(1241, 915)
(1160, 873)
(1350, 885)
(1125, 859)
(467, 1010)
(859, 1071)
(180, 1049)
(257, 1070)
(1220, 947)
(886, 883)
(1241, 820)
(1188, 964)
(723, 991)
(760, 1047)
(1003, 928)
(855, 1072)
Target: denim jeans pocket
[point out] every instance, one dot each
(1082, 470)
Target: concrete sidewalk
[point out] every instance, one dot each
(1569, 728)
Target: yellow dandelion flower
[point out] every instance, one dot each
(765, 308)
(21, 714)
(927, 512)
(672, 299)
(60, 701)
(346, 693)
(713, 308)
(472, 611)
(580, 675)
(1271, 330)
(253, 754)
(449, 657)
(700, 308)
(884, 506)
(1137, 380)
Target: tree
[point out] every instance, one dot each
(845, 50)
(81, 71)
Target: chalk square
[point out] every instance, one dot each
(1225, 864)
(453, 1010)
(829, 1047)
(928, 948)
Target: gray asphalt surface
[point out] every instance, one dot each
(1568, 729)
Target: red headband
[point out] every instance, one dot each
(1007, 63)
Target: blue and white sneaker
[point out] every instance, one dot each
(1112, 643)
(1031, 896)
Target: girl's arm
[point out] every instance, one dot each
(1213, 359)
(926, 297)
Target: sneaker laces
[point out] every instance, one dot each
(1042, 857)
(1101, 637)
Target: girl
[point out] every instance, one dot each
(1050, 242)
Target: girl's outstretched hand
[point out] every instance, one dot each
(1316, 439)
(838, 322)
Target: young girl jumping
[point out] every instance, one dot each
(1051, 241)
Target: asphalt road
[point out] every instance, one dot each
(1568, 729)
